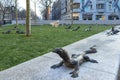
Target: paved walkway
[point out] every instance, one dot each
(108, 57)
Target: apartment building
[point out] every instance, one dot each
(100, 10)
(90, 9)
(63, 9)
(70, 9)
(56, 10)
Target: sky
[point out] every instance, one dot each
(22, 4)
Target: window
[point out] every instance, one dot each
(110, 6)
(75, 18)
(87, 16)
(76, 5)
(91, 7)
(100, 17)
(100, 6)
(113, 17)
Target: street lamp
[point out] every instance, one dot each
(12, 12)
(72, 12)
(35, 3)
(35, 10)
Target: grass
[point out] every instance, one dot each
(17, 48)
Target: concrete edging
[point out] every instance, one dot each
(38, 68)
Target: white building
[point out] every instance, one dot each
(90, 9)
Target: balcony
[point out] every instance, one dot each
(100, 10)
(76, 10)
(76, 1)
(100, 1)
(100, 7)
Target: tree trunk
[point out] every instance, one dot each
(16, 13)
(28, 19)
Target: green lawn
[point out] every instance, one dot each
(17, 48)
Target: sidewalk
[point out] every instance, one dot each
(108, 56)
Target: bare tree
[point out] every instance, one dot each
(5, 8)
(22, 14)
(43, 6)
(33, 15)
(35, 5)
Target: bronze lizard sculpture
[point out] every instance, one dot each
(75, 61)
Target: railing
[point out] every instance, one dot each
(100, 10)
(100, 1)
(76, 1)
(76, 10)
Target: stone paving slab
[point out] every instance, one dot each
(36, 70)
(108, 56)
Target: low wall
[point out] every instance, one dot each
(42, 22)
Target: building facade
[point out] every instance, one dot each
(70, 9)
(90, 9)
(56, 10)
(99, 10)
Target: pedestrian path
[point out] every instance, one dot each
(108, 56)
